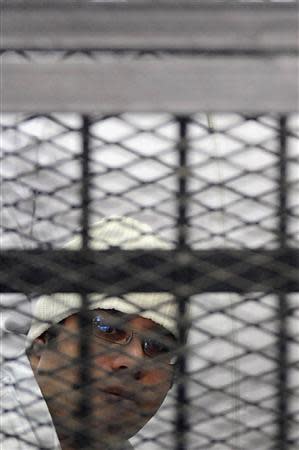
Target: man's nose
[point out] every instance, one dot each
(129, 356)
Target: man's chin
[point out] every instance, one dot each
(107, 436)
(116, 420)
(103, 428)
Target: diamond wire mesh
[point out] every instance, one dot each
(133, 170)
(233, 202)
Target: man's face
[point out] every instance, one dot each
(130, 374)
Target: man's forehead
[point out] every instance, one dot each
(126, 318)
(133, 319)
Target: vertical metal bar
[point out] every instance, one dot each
(83, 438)
(182, 423)
(283, 412)
(85, 181)
(283, 182)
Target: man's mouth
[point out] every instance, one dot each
(118, 391)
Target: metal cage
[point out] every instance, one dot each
(184, 115)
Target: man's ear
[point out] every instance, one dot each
(36, 350)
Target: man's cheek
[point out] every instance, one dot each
(102, 361)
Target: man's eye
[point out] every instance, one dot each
(103, 326)
(155, 348)
(105, 330)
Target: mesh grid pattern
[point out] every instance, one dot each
(233, 176)
(235, 356)
(233, 193)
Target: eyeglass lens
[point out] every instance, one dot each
(109, 328)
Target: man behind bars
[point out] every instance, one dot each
(131, 343)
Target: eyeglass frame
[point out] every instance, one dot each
(53, 331)
(130, 334)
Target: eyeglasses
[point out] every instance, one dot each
(112, 329)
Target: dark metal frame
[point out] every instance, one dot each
(250, 48)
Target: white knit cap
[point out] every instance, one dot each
(125, 233)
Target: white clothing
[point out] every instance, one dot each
(25, 421)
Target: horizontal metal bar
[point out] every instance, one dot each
(118, 271)
(244, 26)
(182, 85)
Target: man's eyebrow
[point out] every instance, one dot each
(109, 312)
(113, 315)
(156, 329)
